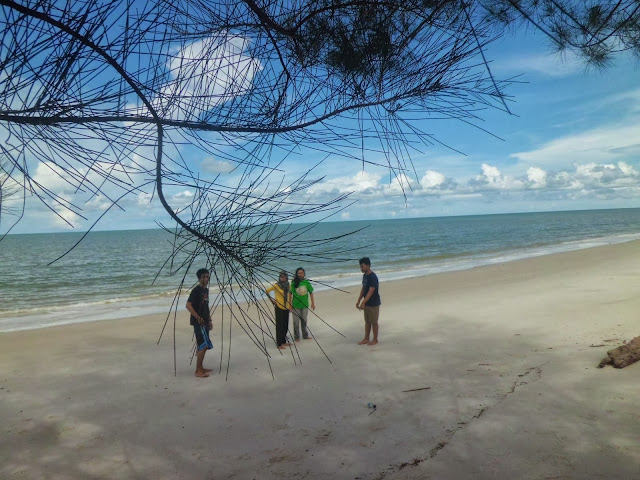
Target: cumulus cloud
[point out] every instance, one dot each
(362, 183)
(71, 193)
(206, 73)
(607, 175)
(49, 177)
(185, 197)
(432, 180)
(399, 185)
(53, 178)
(536, 177)
(492, 178)
(581, 180)
(143, 199)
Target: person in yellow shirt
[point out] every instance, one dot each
(281, 304)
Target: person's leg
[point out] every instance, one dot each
(303, 321)
(279, 326)
(296, 324)
(200, 370)
(374, 328)
(367, 329)
(367, 332)
(373, 318)
(203, 343)
(286, 327)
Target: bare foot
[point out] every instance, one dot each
(201, 374)
(364, 341)
(207, 370)
(373, 342)
(282, 347)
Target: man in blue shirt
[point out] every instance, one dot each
(369, 301)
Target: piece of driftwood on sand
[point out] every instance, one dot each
(623, 355)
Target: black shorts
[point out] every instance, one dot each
(203, 341)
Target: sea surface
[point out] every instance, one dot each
(116, 274)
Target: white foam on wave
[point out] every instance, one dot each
(473, 261)
(80, 313)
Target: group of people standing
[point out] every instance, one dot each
(295, 297)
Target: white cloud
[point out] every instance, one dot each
(536, 177)
(627, 169)
(606, 181)
(206, 73)
(143, 199)
(212, 165)
(182, 198)
(491, 175)
(432, 179)
(492, 178)
(630, 99)
(362, 182)
(52, 177)
(598, 145)
(549, 65)
(399, 185)
(606, 175)
(74, 188)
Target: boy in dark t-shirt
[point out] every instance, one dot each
(198, 306)
(370, 296)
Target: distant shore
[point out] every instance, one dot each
(486, 373)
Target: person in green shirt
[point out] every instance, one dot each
(301, 292)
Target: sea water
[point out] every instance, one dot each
(117, 274)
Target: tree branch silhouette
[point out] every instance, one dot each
(114, 96)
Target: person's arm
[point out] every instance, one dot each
(313, 305)
(195, 314)
(290, 301)
(270, 289)
(367, 297)
(360, 297)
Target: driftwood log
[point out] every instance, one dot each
(623, 355)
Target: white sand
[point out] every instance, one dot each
(509, 353)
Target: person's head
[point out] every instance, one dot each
(203, 276)
(299, 276)
(283, 277)
(365, 265)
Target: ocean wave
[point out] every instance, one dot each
(62, 307)
(396, 253)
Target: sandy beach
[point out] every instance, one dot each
(489, 373)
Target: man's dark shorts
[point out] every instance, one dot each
(371, 314)
(203, 341)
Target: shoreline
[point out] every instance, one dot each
(159, 304)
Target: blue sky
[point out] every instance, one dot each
(573, 143)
